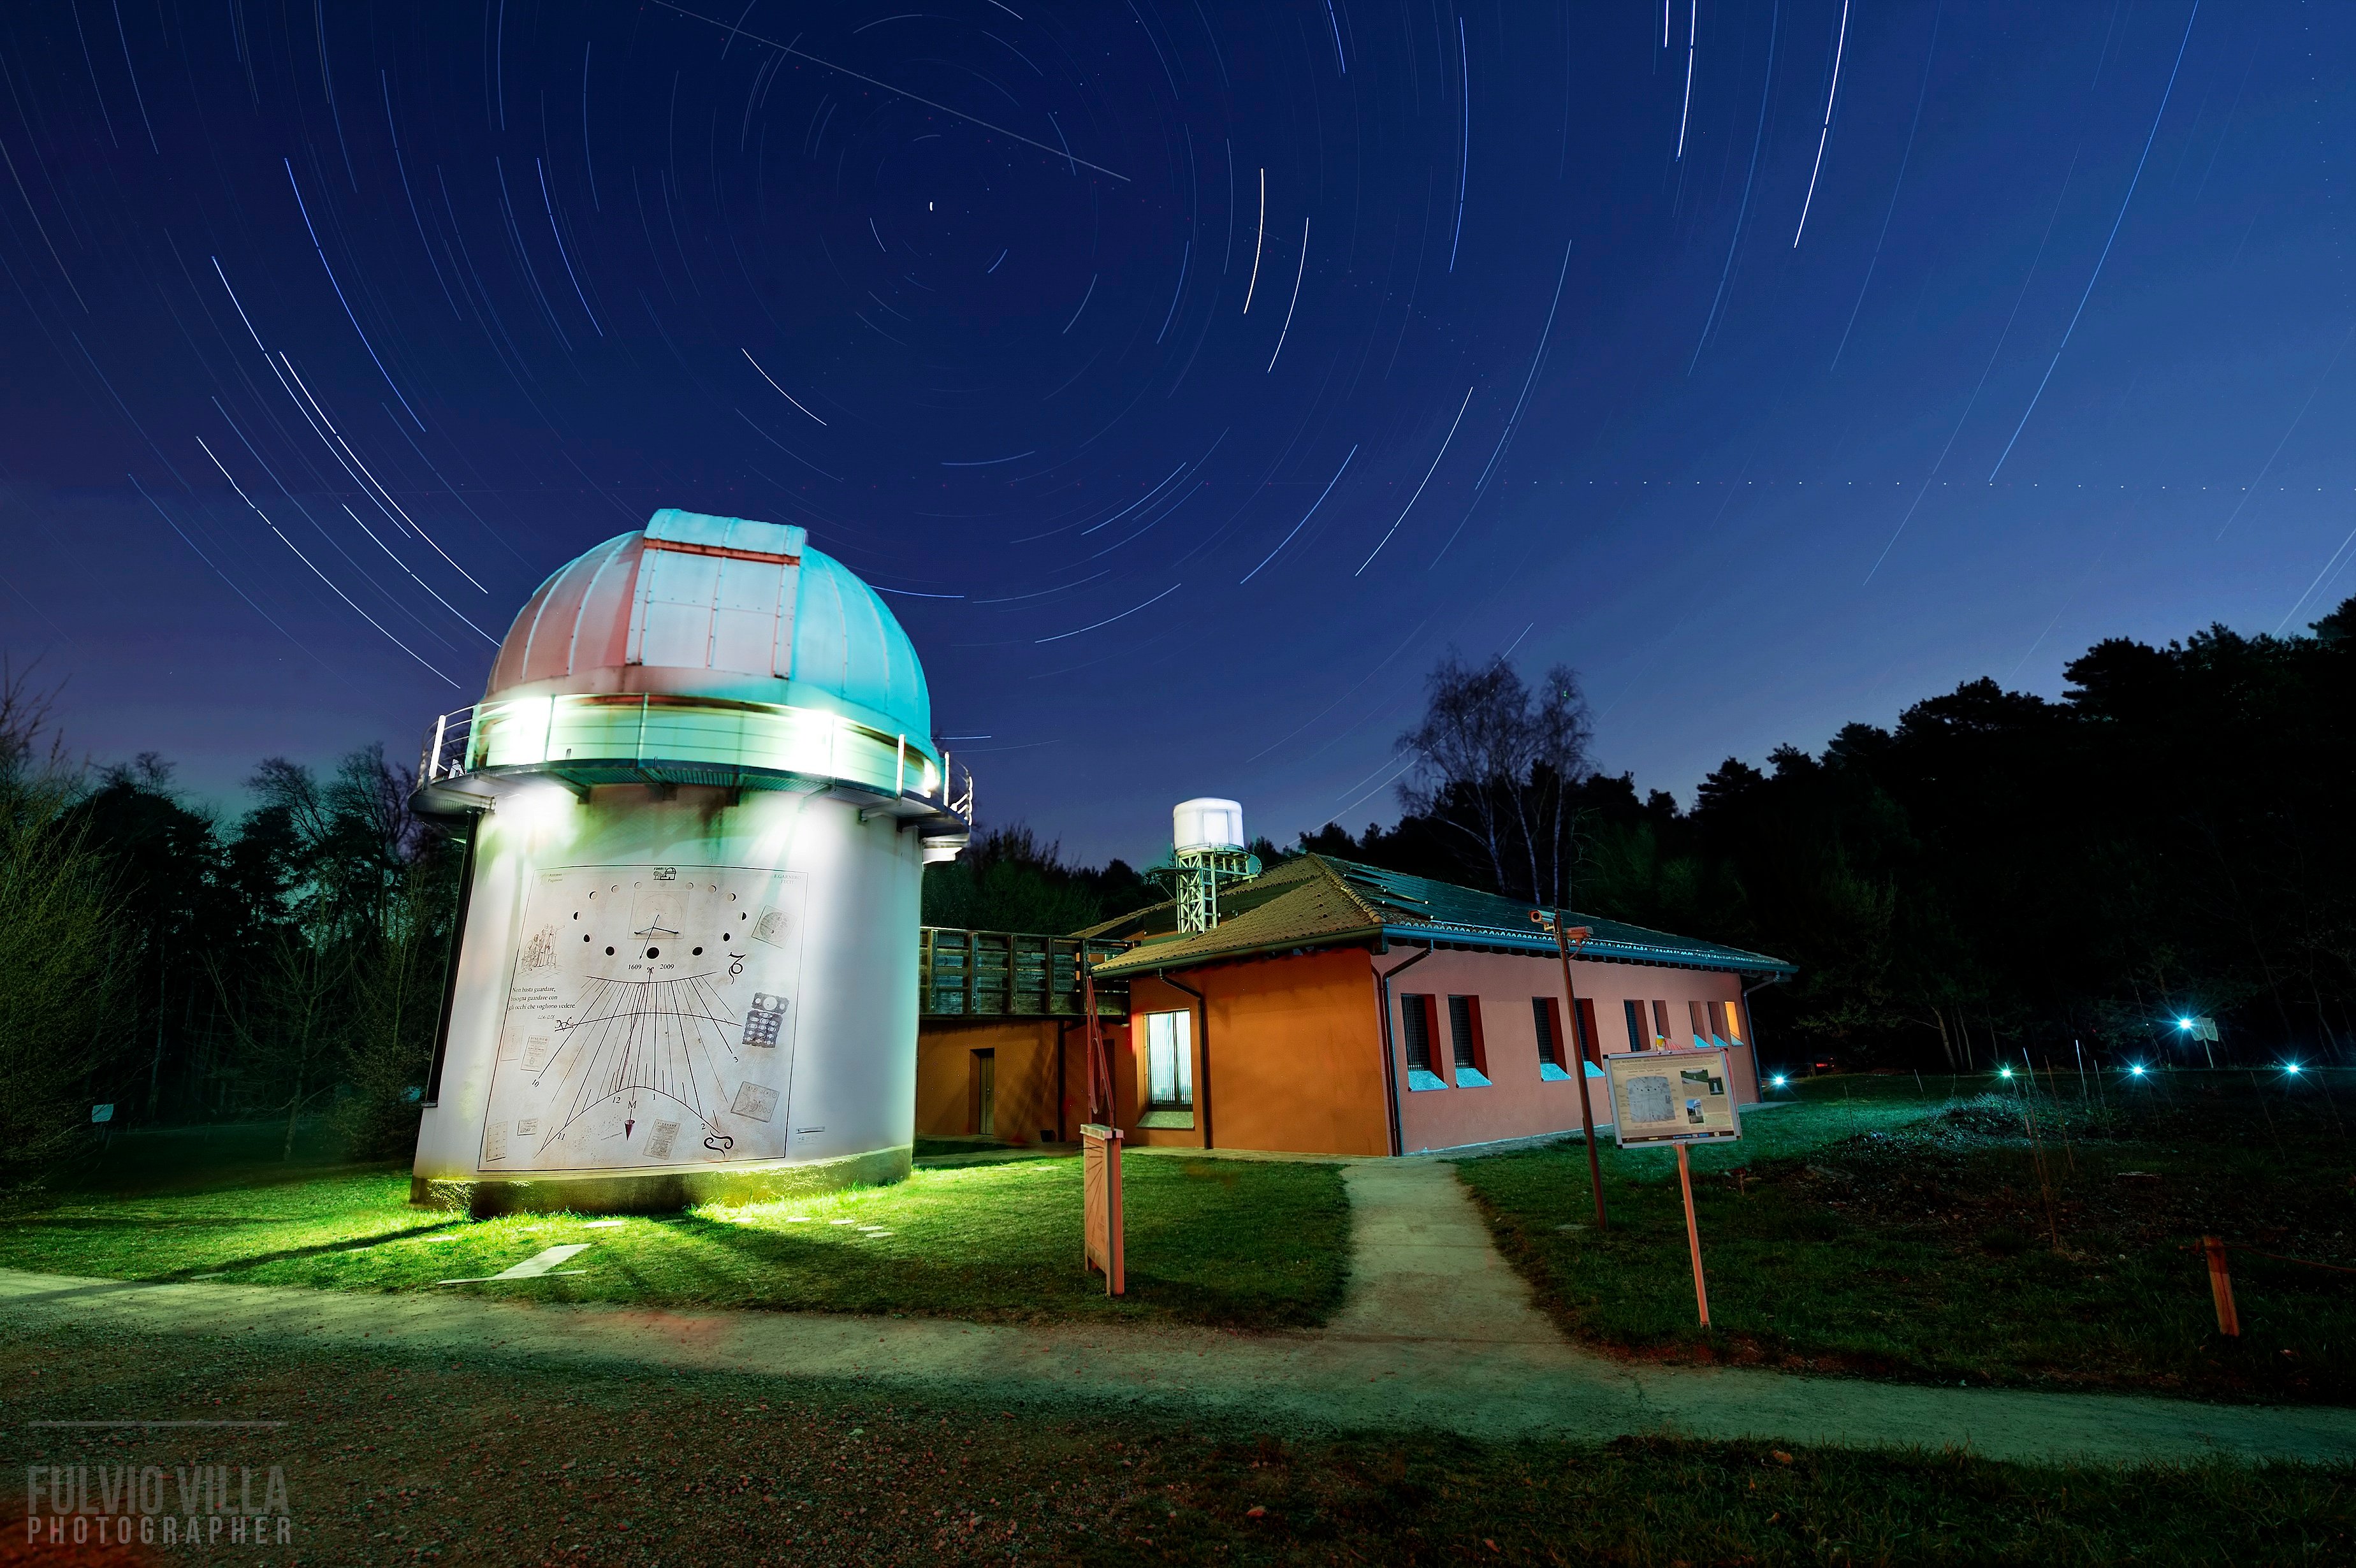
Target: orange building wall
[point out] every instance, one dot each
(1026, 1092)
(1294, 1056)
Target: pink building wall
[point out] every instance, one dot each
(1517, 1101)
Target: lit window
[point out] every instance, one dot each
(1170, 1059)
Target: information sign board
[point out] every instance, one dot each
(1672, 1097)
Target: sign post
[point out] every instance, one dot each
(1100, 1244)
(1100, 1186)
(1676, 1097)
(1566, 938)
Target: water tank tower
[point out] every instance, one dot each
(1206, 848)
(702, 788)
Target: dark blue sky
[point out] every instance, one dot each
(452, 293)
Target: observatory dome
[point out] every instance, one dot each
(693, 606)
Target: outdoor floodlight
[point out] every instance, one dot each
(2004, 1072)
(2291, 1068)
(1778, 1080)
(2136, 1068)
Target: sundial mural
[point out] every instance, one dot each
(650, 1021)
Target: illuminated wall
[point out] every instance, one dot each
(664, 999)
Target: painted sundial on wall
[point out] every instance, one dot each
(650, 1021)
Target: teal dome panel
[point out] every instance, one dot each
(848, 646)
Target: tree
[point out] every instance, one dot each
(395, 986)
(1497, 764)
(352, 896)
(1007, 879)
(60, 990)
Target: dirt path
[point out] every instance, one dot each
(1438, 1333)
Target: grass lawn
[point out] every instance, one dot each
(1881, 1229)
(1228, 1242)
(400, 1459)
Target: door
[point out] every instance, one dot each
(985, 1092)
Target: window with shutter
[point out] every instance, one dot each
(1465, 1043)
(1415, 1030)
(1542, 1013)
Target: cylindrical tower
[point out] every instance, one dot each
(702, 788)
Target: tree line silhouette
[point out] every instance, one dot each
(1995, 876)
(1998, 875)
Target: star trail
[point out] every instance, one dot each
(332, 330)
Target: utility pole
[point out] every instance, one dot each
(1566, 940)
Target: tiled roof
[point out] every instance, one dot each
(1318, 901)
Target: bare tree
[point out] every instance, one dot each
(28, 724)
(60, 990)
(1499, 763)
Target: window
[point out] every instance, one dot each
(1730, 1014)
(1464, 1041)
(1638, 1035)
(1702, 1022)
(1547, 1014)
(1661, 1024)
(1415, 1017)
(1590, 1039)
(1170, 1060)
(1416, 1026)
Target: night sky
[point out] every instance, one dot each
(1192, 376)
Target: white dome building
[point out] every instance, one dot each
(704, 788)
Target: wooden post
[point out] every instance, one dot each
(1564, 938)
(2221, 1286)
(1693, 1235)
(1100, 1246)
(1103, 1104)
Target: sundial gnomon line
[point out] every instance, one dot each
(618, 1043)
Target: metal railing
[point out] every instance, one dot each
(1011, 974)
(687, 739)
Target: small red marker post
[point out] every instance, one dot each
(2221, 1286)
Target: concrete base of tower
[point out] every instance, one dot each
(659, 1192)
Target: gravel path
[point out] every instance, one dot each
(1438, 1333)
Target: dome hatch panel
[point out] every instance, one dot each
(720, 607)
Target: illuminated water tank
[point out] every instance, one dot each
(701, 789)
(1206, 848)
(1207, 823)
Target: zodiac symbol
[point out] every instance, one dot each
(720, 1143)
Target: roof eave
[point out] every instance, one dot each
(1143, 961)
(1598, 949)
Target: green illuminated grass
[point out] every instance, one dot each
(1247, 1244)
(1879, 1229)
